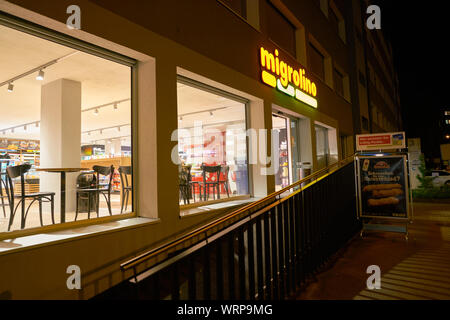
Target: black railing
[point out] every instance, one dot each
(267, 254)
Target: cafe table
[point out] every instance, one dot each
(63, 172)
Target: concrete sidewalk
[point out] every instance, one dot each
(414, 269)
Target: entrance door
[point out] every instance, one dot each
(288, 150)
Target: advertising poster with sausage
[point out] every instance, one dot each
(383, 187)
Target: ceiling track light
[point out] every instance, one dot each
(12, 130)
(115, 107)
(101, 131)
(25, 127)
(10, 87)
(40, 75)
(96, 112)
(118, 129)
(211, 114)
(37, 124)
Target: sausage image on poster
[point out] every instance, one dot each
(383, 187)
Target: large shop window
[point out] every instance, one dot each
(65, 133)
(212, 144)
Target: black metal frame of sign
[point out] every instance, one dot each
(384, 198)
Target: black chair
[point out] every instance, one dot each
(100, 188)
(86, 202)
(4, 161)
(125, 171)
(225, 171)
(185, 182)
(214, 174)
(19, 171)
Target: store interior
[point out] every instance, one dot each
(61, 108)
(211, 133)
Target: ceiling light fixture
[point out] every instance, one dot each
(40, 75)
(96, 112)
(211, 114)
(37, 124)
(101, 131)
(12, 130)
(10, 87)
(25, 127)
(115, 107)
(118, 129)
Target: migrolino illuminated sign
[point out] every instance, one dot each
(293, 82)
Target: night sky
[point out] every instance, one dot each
(419, 36)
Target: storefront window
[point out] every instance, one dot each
(65, 133)
(212, 147)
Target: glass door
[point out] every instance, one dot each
(288, 150)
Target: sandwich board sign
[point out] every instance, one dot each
(383, 183)
(383, 186)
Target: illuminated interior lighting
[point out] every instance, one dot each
(379, 155)
(96, 112)
(10, 87)
(305, 98)
(40, 76)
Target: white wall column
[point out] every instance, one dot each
(61, 137)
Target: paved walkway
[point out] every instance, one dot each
(417, 269)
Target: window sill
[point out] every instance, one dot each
(215, 207)
(69, 234)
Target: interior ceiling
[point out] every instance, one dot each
(201, 103)
(102, 82)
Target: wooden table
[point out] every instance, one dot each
(63, 172)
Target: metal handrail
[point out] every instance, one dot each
(132, 263)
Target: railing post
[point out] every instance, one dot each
(268, 272)
(259, 258)
(251, 261)
(275, 270)
(282, 242)
(219, 270)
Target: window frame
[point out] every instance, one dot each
(42, 32)
(213, 90)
